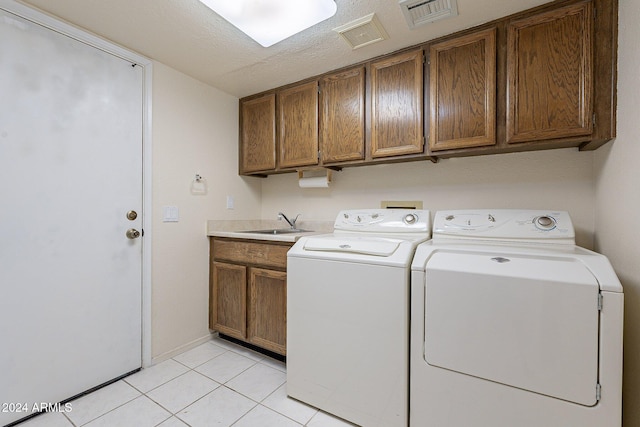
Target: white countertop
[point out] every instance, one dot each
(237, 229)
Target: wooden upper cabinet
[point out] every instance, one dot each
(540, 79)
(463, 92)
(397, 105)
(258, 134)
(549, 74)
(342, 132)
(298, 125)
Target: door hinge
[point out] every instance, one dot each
(598, 391)
(593, 120)
(599, 302)
(319, 154)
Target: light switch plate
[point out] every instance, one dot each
(170, 214)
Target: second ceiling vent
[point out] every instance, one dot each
(363, 31)
(418, 12)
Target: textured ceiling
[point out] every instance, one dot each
(189, 37)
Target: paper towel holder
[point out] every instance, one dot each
(313, 170)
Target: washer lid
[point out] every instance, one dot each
(367, 246)
(529, 322)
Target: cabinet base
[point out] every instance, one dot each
(261, 350)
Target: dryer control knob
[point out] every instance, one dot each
(410, 219)
(545, 222)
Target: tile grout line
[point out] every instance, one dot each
(226, 349)
(255, 362)
(228, 388)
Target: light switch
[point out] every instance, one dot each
(229, 202)
(170, 214)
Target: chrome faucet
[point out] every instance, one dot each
(292, 222)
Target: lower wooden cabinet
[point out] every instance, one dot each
(248, 291)
(267, 310)
(229, 299)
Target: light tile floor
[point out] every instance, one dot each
(215, 384)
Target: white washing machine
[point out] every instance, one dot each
(513, 325)
(348, 315)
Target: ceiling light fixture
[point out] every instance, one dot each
(271, 21)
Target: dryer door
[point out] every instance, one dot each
(527, 322)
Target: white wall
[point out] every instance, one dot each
(195, 130)
(618, 201)
(556, 179)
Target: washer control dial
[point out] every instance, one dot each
(410, 218)
(545, 222)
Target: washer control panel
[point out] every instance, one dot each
(545, 222)
(384, 220)
(410, 219)
(505, 224)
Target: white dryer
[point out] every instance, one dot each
(512, 324)
(348, 315)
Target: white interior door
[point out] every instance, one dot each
(70, 170)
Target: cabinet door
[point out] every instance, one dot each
(397, 105)
(342, 116)
(229, 298)
(258, 134)
(268, 309)
(298, 120)
(463, 92)
(549, 75)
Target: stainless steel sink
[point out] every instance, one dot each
(278, 231)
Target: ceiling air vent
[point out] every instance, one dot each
(418, 12)
(363, 31)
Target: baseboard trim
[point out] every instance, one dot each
(186, 347)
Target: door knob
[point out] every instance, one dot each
(132, 233)
(131, 215)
